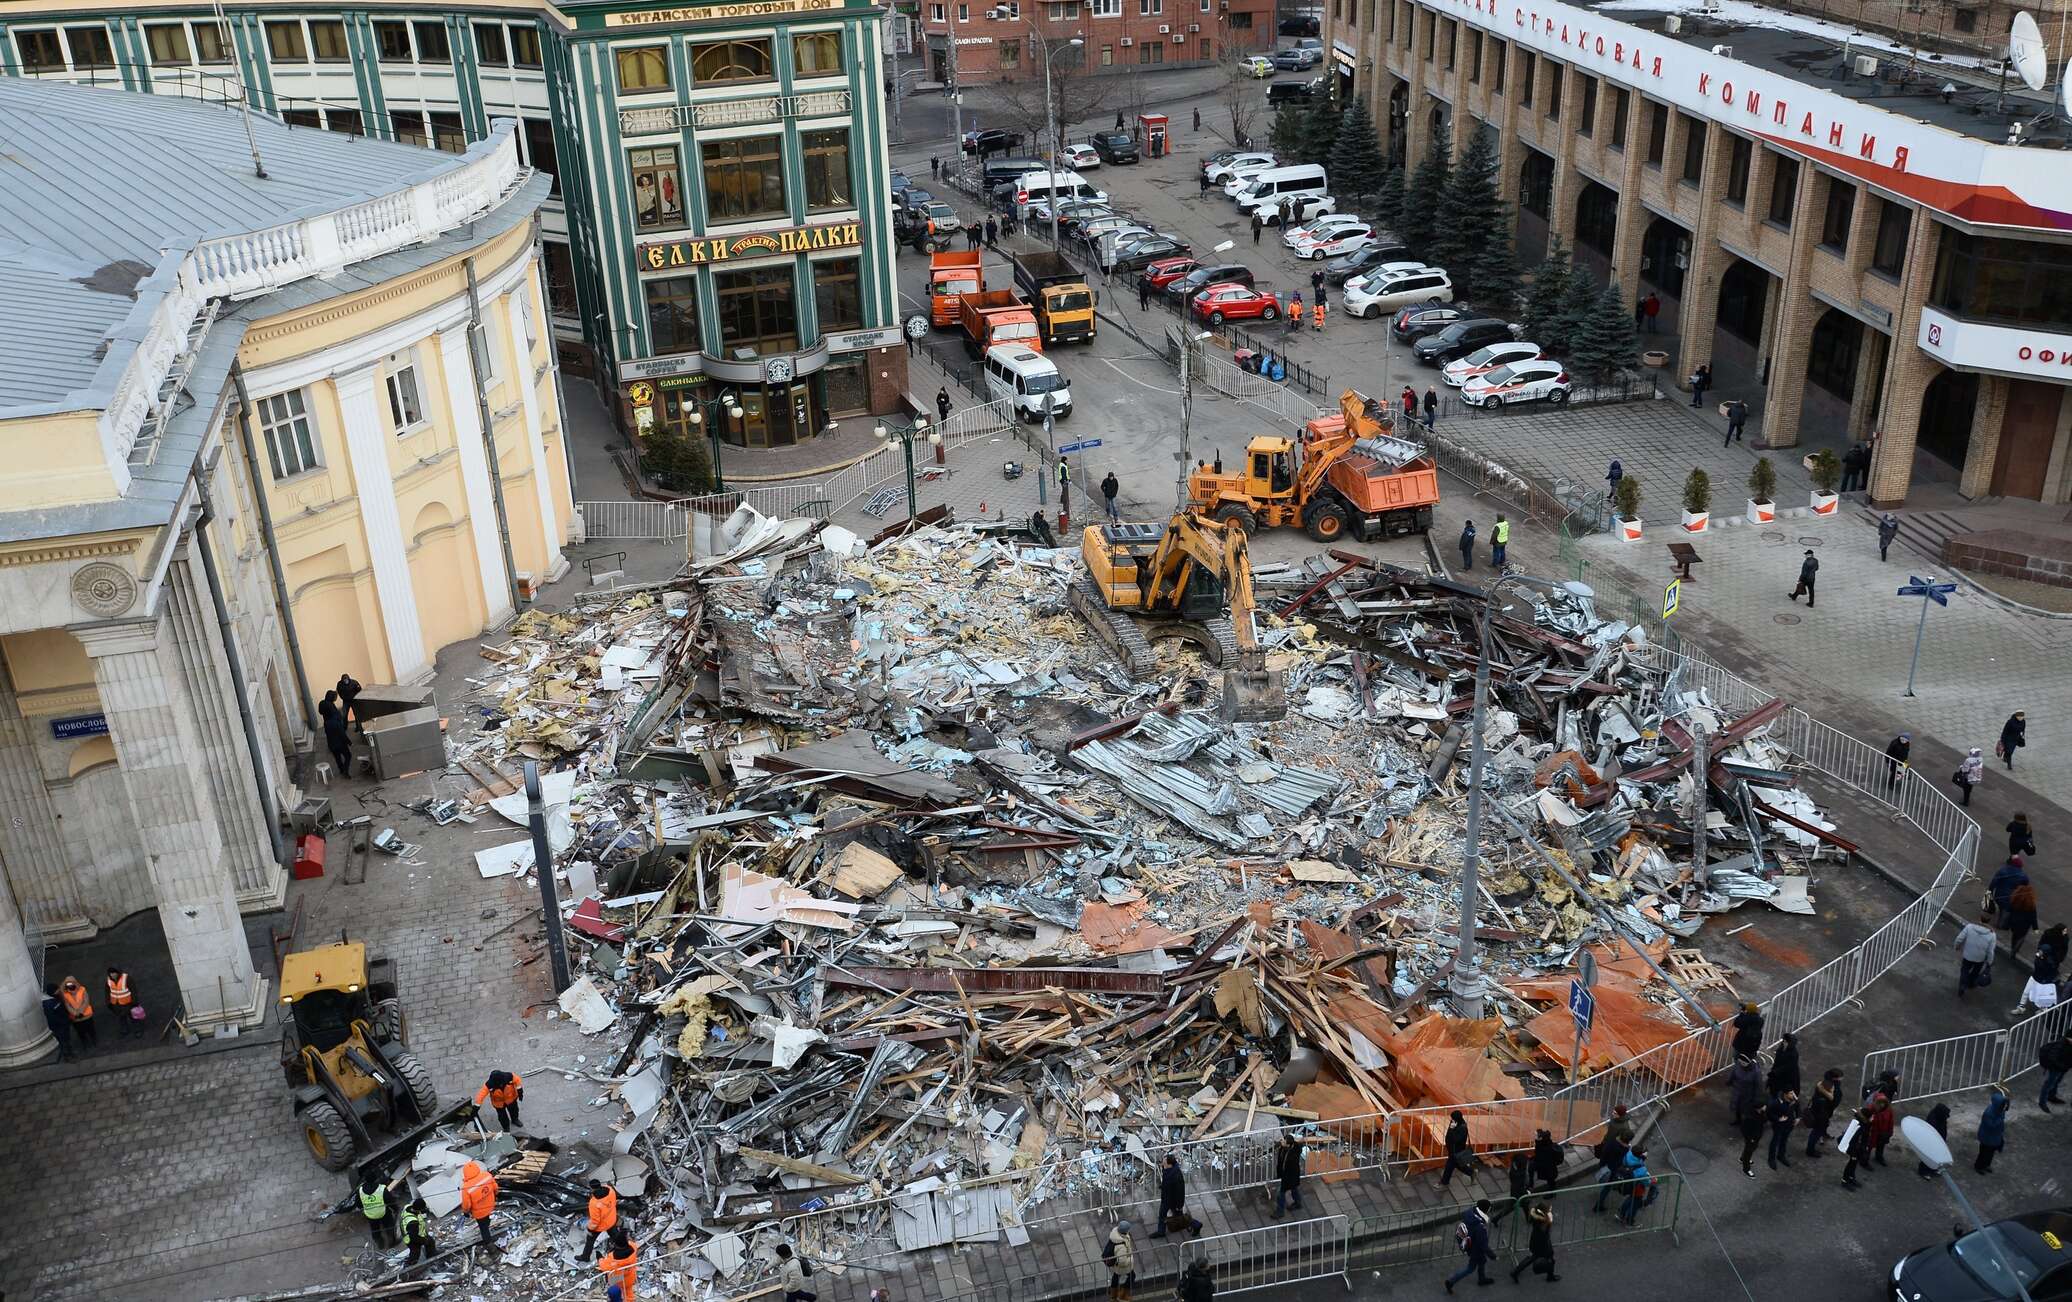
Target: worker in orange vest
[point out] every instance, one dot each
(478, 1198)
(617, 1265)
(120, 1003)
(502, 1091)
(79, 1006)
(604, 1214)
(1317, 314)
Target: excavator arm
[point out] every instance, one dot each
(1250, 692)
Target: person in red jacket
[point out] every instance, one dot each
(478, 1198)
(1883, 1119)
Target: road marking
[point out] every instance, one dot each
(1134, 380)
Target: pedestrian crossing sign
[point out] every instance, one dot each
(1670, 596)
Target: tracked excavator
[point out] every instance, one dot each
(1188, 578)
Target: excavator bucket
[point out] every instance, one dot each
(1253, 694)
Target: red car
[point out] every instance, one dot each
(1167, 270)
(1229, 302)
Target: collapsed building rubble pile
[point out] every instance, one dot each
(904, 911)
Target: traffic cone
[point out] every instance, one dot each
(982, 506)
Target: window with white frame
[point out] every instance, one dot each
(1105, 8)
(291, 444)
(1145, 8)
(168, 42)
(935, 13)
(1067, 12)
(405, 394)
(963, 13)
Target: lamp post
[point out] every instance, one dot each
(733, 406)
(906, 436)
(1050, 116)
(1934, 1152)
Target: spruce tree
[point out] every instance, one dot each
(1356, 166)
(1286, 137)
(1605, 343)
(1471, 216)
(1492, 270)
(1420, 219)
(1319, 129)
(1576, 306)
(1546, 296)
(1388, 200)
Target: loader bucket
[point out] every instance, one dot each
(1253, 695)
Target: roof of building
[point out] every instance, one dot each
(96, 185)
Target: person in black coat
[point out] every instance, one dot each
(2021, 839)
(1784, 1068)
(1809, 574)
(1197, 1284)
(1939, 1117)
(1172, 1195)
(2014, 734)
(336, 739)
(1896, 752)
(1287, 1168)
(1457, 1153)
(1782, 1112)
(1546, 1159)
(348, 700)
(1748, 1031)
(1521, 1177)
(1751, 1135)
(1539, 1250)
(1467, 545)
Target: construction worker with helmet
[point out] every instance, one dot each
(478, 1198)
(79, 1007)
(502, 1091)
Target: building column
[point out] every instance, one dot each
(1568, 182)
(367, 447)
(31, 845)
(151, 719)
(1984, 450)
(226, 761)
(1633, 214)
(552, 565)
(23, 1036)
(1869, 387)
(474, 473)
(1510, 149)
(1908, 371)
(1698, 309)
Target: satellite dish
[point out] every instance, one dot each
(2025, 51)
(2065, 91)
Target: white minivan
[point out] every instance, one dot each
(1035, 187)
(1264, 192)
(1026, 378)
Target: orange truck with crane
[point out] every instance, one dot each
(950, 276)
(997, 316)
(1347, 472)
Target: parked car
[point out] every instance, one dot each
(1395, 286)
(1223, 273)
(1218, 303)
(900, 181)
(1335, 243)
(1091, 233)
(1983, 1265)
(1115, 146)
(1073, 221)
(1257, 65)
(1236, 174)
(1144, 253)
(1305, 24)
(1414, 323)
(1295, 59)
(1167, 270)
(1079, 157)
(1484, 360)
(1117, 244)
(993, 141)
(1220, 165)
(1364, 259)
(1519, 382)
(1282, 91)
(1459, 339)
(1321, 227)
(1310, 41)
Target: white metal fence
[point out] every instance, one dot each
(1969, 1062)
(1275, 1255)
(643, 519)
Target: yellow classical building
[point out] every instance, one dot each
(278, 404)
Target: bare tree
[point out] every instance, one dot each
(1241, 96)
(1076, 94)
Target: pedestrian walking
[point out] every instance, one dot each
(1888, 529)
(2006, 878)
(1612, 476)
(122, 1004)
(79, 1009)
(1896, 752)
(374, 1208)
(1431, 408)
(1197, 1282)
(934, 168)
(1827, 1096)
(503, 1092)
(1701, 380)
(1499, 540)
(1856, 468)
(1809, 568)
(1316, 281)
(1992, 1131)
(1748, 1030)
(972, 233)
(1119, 1254)
(1751, 1125)
(54, 1018)
(1546, 1158)
(1197, 120)
(2021, 839)
(415, 1226)
(1744, 1089)
(1472, 1237)
(1467, 546)
(1409, 404)
(1649, 308)
(478, 1198)
(1287, 1169)
(942, 404)
(1615, 1159)
(1784, 1065)
(1143, 294)
(620, 1265)
(1257, 226)
(336, 739)
(1295, 310)
(1975, 954)
(2055, 1057)
(1317, 315)
(1109, 488)
(1459, 1157)
(2014, 734)
(1782, 1112)
(792, 1274)
(992, 233)
(604, 1215)
(1172, 1200)
(2021, 916)
(1855, 1145)
(2053, 944)
(1203, 193)
(1938, 1120)
(1539, 1247)
(1520, 1171)
(2041, 992)
(1969, 772)
(1118, 119)
(1640, 312)
(348, 690)
(1884, 1119)
(1737, 418)
(1641, 1188)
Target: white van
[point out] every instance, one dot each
(1035, 187)
(1025, 378)
(1264, 192)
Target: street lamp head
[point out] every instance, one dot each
(920, 423)
(1225, 247)
(935, 438)
(734, 410)
(697, 418)
(1930, 1147)
(1075, 42)
(880, 430)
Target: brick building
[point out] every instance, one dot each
(1000, 45)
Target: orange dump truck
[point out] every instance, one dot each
(998, 316)
(1347, 472)
(950, 276)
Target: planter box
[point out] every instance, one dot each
(1695, 521)
(1629, 530)
(1824, 503)
(1654, 357)
(1761, 512)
